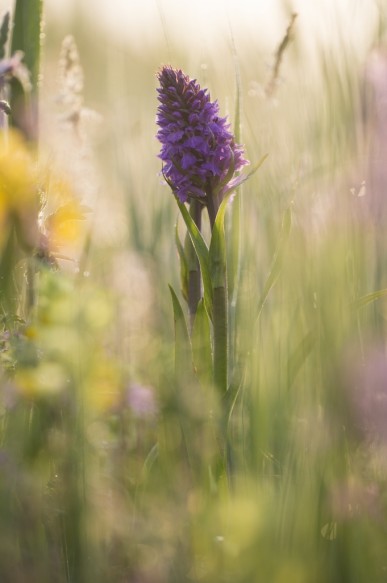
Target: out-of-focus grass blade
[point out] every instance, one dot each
(183, 351)
(26, 35)
(218, 263)
(135, 224)
(233, 392)
(234, 235)
(255, 167)
(149, 462)
(201, 345)
(218, 247)
(217, 251)
(237, 115)
(4, 30)
(243, 177)
(202, 253)
(277, 260)
(299, 356)
(8, 259)
(371, 297)
(183, 265)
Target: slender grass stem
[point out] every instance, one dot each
(220, 339)
(194, 276)
(220, 320)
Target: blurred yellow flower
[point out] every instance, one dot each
(19, 190)
(26, 187)
(63, 225)
(103, 387)
(18, 173)
(45, 380)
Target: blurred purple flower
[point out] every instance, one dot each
(365, 381)
(142, 401)
(199, 153)
(353, 497)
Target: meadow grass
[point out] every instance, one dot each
(119, 461)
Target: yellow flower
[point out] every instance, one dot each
(18, 173)
(26, 186)
(19, 188)
(45, 380)
(64, 224)
(103, 386)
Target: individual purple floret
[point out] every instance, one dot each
(198, 151)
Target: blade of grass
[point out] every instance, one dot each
(277, 260)
(369, 298)
(243, 177)
(201, 345)
(183, 264)
(183, 352)
(26, 37)
(217, 256)
(4, 31)
(299, 356)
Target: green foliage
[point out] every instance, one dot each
(202, 253)
(201, 345)
(183, 353)
(277, 260)
(184, 268)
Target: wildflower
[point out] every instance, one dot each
(63, 226)
(365, 388)
(199, 153)
(19, 199)
(142, 401)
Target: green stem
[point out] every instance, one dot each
(220, 339)
(221, 371)
(219, 282)
(212, 207)
(194, 276)
(234, 273)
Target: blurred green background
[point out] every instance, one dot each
(107, 462)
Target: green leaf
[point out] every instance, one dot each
(202, 253)
(371, 297)
(184, 271)
(299, 356)
(217, 252)
(183, 351)
(220, 304)
(278, 258)
(4, 30)
(218, 248)
(201, 345)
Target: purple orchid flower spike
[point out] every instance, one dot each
(199, 153)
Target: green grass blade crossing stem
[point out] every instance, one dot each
(27, 37)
